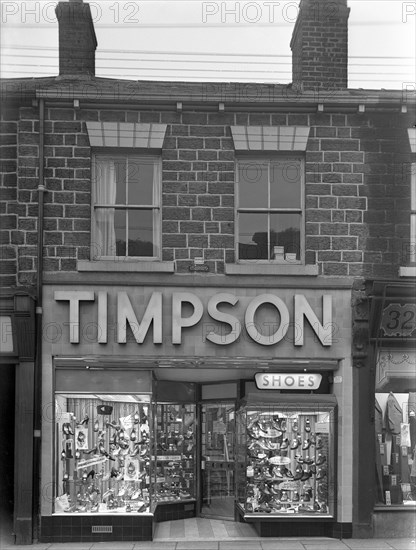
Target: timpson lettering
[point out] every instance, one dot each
(215, 333)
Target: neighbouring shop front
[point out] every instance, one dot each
(179, 399)
(392, 330)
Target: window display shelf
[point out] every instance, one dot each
(174, 471)
(285, 461)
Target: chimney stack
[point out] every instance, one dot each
(77, 40)
(320, 45)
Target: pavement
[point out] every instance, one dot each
(313, 543)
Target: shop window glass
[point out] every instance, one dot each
(103, 454)
(412, 248)
(126, 206)
(285, 461)
(270, 210)
(395, 427)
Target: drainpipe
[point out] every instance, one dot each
(37, 419)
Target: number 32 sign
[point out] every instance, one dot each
(399, 320)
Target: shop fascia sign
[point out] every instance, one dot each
(153, 316)
(282, 381)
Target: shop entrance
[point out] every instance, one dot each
(217, 460)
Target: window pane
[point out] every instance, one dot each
(285, 184)
(120, 169)
(252, 238)
(253, 184)
(120, 228)
(285, 234)
(141, 238)
(140, 175)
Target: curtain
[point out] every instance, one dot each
(105, 193)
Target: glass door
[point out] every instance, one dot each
(217, 459)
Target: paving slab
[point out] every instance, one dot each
(195, 545)
(240, 545)
(367, 544)
(282, 545)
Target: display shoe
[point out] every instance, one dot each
(277, 472)
(133, 435)
(321, 473)
(320, 459)
(69, 428)
(143, 419)
(323, 508)
(114, 472)
(312, 468)
(295, 443)
(275, 505)
(136, 494)
(272, 446)
(84, 475)
(249, 507)
(142, 507)
(288, 473)
(95, 507)
(284, 497)
(91, 474)
(136, 418)
(65, 428)
(131, 469)
(122, 491)
(298, 473)
(319, 443)
(316, 507)
(108, 493)
(295, 425)
(306, 475)
(71, 509)
(65, 477)
(306, 444)
(63, 455)
(264, 507)
(77, 454)
(307, 425)
(84, 421)
(96, 426)
(284, 445)
(306, 497)
(144, 450)
(120, 476)
(274, 489)
(295, 497)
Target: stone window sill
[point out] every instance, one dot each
(126, 266)
(271, 269)
(407, 271)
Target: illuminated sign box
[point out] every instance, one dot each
(287, 381)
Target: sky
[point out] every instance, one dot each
(204, 40)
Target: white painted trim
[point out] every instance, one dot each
(407, 271)
(271, 269)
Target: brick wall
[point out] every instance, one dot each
(357, 189)
(9, 206)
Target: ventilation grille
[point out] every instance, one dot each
(102, 529)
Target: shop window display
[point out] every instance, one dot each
(285, 460)
(175, 453)
(103, 458)
(395, 426)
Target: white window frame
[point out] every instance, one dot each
(301, 210)
(155, 207)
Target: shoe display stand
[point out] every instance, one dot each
(174, 472)
(103, 463)
(285, 462)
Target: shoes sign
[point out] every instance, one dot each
(281, 381)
